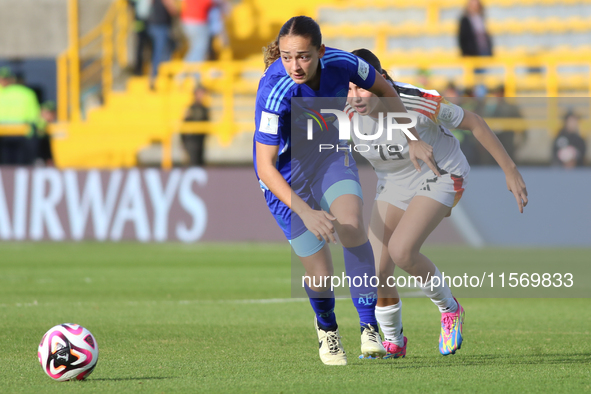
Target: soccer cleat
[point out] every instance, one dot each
(451, 338)
(393, 350)
(330, 347)
(371, 343)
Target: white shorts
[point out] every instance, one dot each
(446, 189)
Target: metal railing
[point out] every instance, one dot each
(90, 60)
(222, 78)
(14, 130)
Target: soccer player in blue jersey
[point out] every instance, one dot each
(315, 195)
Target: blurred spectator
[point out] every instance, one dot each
(160, 31)
(451, 91)
(195, 143)
(497, 106)
(195, 26)
(18, 105)
(217, 26)
(142, 14)
(424, 78)
(569, 147)
(48, 116)
(479, 91)
(468, 143)
(473, 37)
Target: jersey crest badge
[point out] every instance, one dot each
(269, 123)
(363, 69)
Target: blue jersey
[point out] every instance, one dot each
(273, 107)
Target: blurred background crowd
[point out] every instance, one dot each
(120, 83)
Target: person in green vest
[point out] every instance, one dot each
(18, 105)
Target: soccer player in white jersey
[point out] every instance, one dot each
(411, 200)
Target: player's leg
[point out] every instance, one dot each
(384, 219)
(318, 267)
(160, 36)
(344, 201)
(318, 270)
(315, 257)
(421, 217)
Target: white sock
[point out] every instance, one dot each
(441, 294)
(390, 319)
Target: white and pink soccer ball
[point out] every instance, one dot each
(68, 351)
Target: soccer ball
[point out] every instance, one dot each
(68, 351)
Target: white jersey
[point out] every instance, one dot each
(390, 158)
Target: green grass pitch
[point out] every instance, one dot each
(219, 318)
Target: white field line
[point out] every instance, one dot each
(160, 302)
(186, 302)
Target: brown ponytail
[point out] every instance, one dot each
(387, 76)
(271, 53)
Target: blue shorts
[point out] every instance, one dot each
(336, 176)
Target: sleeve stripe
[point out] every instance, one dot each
(277, 87)
(334, 59)
(282, 94)
(418, 107)
(333, 53)
(419, 100)
(330, 50)
(339, 55)
(417, 92)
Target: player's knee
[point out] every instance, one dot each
(350, 229)
(350, 219)
(402, 256)
(352, 237)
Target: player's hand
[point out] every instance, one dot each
(516, 185)
(420, 150)
(320, 224)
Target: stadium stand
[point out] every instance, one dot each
(542, 49)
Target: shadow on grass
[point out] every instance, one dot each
(125, 379)
(488, 360)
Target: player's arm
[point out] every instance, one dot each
(417, 149)
(318, 222)
(491, 143)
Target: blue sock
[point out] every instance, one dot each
(323, 304)
(359, 262)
